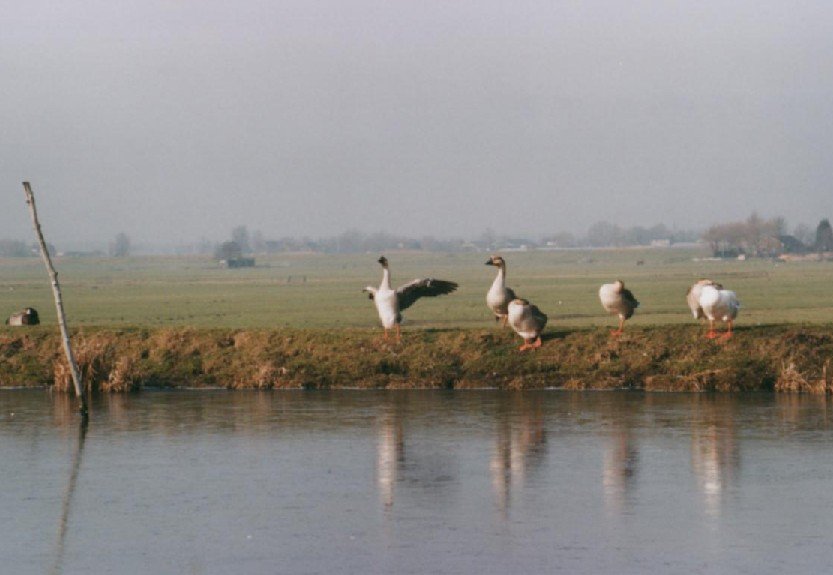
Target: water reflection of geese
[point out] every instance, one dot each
(519, 449)
(390, 455)
(715, 457)
(621, 462)
(427, 475)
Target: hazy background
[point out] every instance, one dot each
(177, 120)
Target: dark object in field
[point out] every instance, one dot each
(240, 262)
(29, 316)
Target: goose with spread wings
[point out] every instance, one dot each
(391, 302)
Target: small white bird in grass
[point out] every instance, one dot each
(528, 322)
(499, 295)
(391, 302)
(692, 296)
(619, 301)
(719, 304)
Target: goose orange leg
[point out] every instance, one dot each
(711, 333)
(621, 329)
(728, 333)
(531, 344)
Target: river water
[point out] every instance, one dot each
(416, 482)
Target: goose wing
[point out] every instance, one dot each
(628, 298)
(370, 291)
(427, 287)
(539, 316)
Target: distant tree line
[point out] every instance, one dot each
(601, 234)
(18, 249)
(754, 236)
(761, 237)
(606, 234)
(14, 249)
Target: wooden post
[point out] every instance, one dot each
(59, 304)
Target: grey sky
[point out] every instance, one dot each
(174, 120)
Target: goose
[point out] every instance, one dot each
(692, 296)
(499, 296)
(618, 300)
(719, 304)
(390, 303)
(528, 322)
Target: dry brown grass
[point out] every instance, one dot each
(792, 379)
(665, 358)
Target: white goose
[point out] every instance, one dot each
(719, 304)
(528, 322)
(391, 302)
(692, 296)
(619, 301)
(499, 296)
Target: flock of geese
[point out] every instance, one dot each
(706, 299)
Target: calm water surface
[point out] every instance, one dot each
(416, 482)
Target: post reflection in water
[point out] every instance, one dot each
(66, 505)
(715, 455)
(520, 448)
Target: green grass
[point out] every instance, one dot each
(192, 291)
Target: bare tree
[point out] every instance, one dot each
(240, 234)
(120, 246)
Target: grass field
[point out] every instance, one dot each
(318, 291)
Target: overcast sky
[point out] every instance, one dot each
(172, 120)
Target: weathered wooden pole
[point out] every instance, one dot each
(59, 304)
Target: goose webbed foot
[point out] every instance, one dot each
(530, 344)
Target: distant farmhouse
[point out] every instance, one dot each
(230, 255)
(792, 245)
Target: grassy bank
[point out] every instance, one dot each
(660, 358)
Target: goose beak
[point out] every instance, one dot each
(490, 263)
